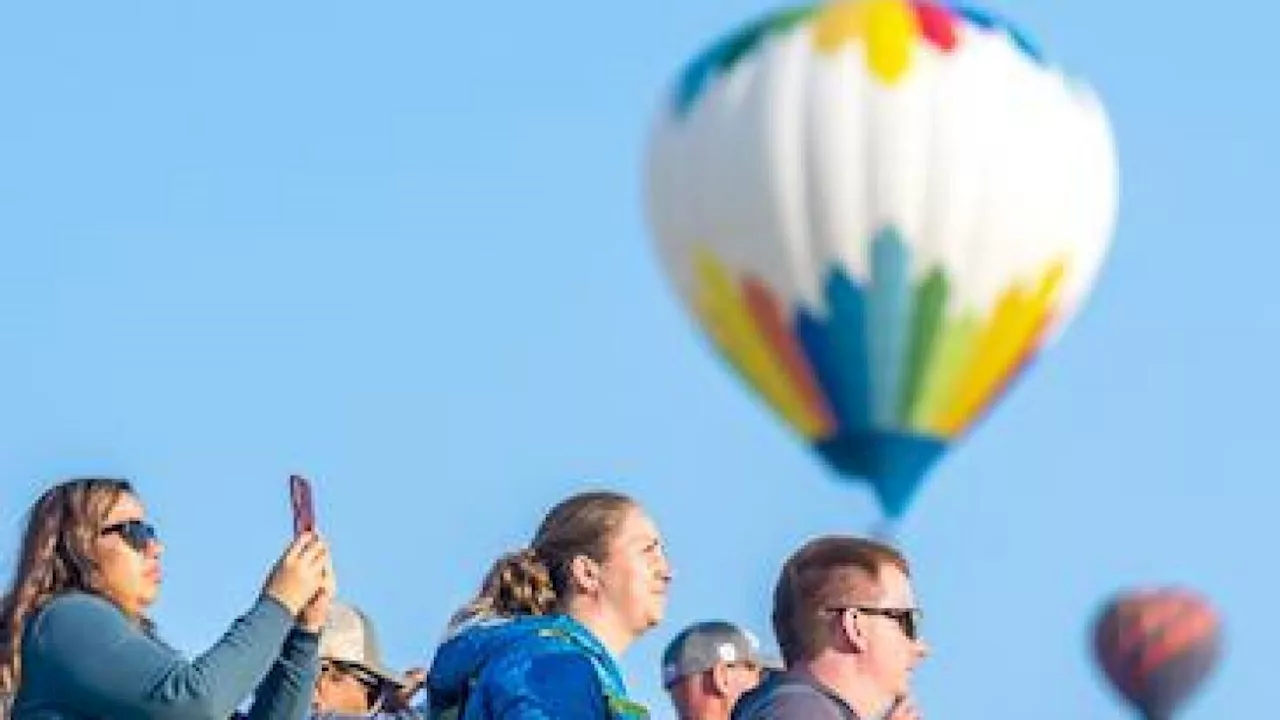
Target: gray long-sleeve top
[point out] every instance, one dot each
(82, 659)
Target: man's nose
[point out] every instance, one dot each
(922, 649)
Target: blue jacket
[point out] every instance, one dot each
(528, 668)
(409, 714)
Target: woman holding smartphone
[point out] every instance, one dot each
(75, 641)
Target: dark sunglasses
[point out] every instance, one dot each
(137, 534)
(334, 668)
(908, 619)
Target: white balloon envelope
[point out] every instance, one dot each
(880, 212)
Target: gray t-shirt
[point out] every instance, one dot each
(791, 697)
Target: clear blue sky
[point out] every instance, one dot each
(400, 247)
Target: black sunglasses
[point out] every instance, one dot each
(908, 619)
(373, 686)
(359, 674)
(137, 534)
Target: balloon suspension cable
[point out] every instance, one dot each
(885, 530)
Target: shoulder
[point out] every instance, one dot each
(400, 715)
(541, 664)
(78, 602)
(785, 701)
(549, 684)
(77, 612)
(70, 623)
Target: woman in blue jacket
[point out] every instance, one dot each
(542, 638)
(75, 641)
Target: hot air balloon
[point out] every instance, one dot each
(880, 212)
(1157, 647)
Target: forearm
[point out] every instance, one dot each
(286, 693)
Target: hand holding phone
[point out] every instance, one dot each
(304, 512)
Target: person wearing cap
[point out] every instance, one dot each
(353, 679)
(708, 666)
(847, 623)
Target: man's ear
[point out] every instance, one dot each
(586, 574)
(718, 677)
(853, 631)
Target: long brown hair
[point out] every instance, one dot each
(56, 557)
(537, 579)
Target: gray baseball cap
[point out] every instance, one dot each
(702, 645)
(348, 637)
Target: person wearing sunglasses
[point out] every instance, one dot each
(354, 681)
(848, 627)
(76, 642)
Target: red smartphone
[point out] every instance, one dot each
(304, 511)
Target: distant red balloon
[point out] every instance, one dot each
(1157, 647)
